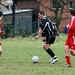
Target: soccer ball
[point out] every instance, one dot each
(35, 59)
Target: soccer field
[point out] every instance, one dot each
(17, 58)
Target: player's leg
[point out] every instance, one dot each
(67, 56)
(49, 51)
(72, 47)
(72, 52)
(66, 50)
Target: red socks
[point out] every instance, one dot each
(68, 60)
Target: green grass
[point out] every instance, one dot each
(18, 52)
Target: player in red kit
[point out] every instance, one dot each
(70, 41)
(1, 32)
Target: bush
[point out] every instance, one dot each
(7, 28)
(24, 33)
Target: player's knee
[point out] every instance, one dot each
(44, 47)
(72, 52)
(66, 49)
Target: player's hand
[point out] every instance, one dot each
(36, 37)
(2, 32)
(57, 33)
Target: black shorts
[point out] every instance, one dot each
(50, 40)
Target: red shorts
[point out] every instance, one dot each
(71, 42)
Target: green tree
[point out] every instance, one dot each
(57, 3)
(7, 28)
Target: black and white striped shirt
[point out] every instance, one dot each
(47, 26)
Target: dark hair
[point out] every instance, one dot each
(72, 11)
(1, 13)
(42, 12)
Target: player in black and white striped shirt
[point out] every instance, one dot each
(47, 29)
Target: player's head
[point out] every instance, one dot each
(41, 14)
(72, 12)
(1, 13)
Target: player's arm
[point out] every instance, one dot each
(57, 33)
(55, 27)
(72, 25)
(39, 33)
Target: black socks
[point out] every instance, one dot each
(50, 52)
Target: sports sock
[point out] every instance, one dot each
(50, 52)
(68, 60)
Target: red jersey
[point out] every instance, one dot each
(71, 27)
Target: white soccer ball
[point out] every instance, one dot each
(35, 59)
